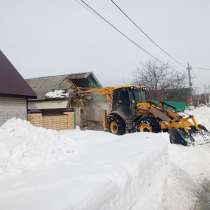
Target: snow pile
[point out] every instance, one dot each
(123, 173)
(23, 146)
(188, 169)
(200, 154)
(57, 94)
(182, 189)
(109, 172)
(130, 172)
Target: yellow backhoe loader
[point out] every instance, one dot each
(131, 110)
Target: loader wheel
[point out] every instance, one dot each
(117, 126)
(148, 124)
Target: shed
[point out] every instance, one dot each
(54, 99)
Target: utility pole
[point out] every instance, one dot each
(189, 69)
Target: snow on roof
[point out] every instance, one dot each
(57, 94)
(43, 85)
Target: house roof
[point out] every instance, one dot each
(11, 82)
(43, 85)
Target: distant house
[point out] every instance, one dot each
(53, 108)
(178, 94)
(14, 91)
(199, 99)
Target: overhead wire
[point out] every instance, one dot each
(88, 6)
(142, 31)
(119, 31)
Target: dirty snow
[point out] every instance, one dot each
(93, 170)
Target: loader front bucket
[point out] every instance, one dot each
(177, 136)
(193, 136)
(201, 135)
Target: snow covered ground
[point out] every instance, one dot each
(93, 170)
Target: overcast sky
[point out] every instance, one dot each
(50, 37)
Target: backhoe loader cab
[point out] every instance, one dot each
(125, 100)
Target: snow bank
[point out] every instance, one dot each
(194, 160)
(124, 173)
(109, 172)
(99, 171)
(188, 169)
(23, 146)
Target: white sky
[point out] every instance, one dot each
(50, 37)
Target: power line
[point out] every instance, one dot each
(142, 31)
(119, 31)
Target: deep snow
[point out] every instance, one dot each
(22, 146)
(93, 170)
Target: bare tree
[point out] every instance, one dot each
(158, 77)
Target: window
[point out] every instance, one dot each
(124, 96)
(139, 95)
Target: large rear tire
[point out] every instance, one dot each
(117, 125)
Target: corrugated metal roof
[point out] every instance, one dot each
(11, 82)
(43, 85)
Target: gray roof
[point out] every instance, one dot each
(43, 85)
(79, 75)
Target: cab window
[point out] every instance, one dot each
(139, 95)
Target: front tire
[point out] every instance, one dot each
(148, 124)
